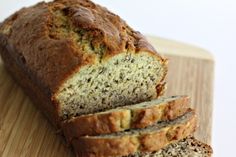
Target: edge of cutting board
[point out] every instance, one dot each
(172, 47)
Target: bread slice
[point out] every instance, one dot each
(149, 139)
(133, 116)
(188, 147)
(77, 58)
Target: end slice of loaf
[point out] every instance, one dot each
(152, 138)
(188, 147)
(75, 57)
(133, 116)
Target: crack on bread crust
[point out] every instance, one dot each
(85, 40)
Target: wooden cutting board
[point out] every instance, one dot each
(25, 132)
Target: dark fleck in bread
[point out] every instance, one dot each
(74, 57)
(152, 138)
(123, 118)
(188, 147)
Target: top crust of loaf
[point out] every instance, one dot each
(46, 35)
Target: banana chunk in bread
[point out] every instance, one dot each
(127, 117)
(75, 57)
(188, 147)
(152, 138)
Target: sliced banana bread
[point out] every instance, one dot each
(149, 139)
(74, 57)
(188, 147)
(133, 116)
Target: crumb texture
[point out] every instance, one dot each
(123, 80)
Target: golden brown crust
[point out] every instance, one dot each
(166, 111)
(42, 39)
(19, 74)
(95, 124)
(161, 88)
(125, 118)
(122, 145)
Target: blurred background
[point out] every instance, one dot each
(210, 24)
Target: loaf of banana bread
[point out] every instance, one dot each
(74, 57)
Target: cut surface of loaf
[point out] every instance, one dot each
(81, 58)
(127, 117)
(188, 147)
(149, 139)
(116, 82)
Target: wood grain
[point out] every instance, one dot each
(191, 72)
(25, 132)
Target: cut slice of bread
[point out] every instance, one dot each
(149, 139)
(188, 147)
(133, 116)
